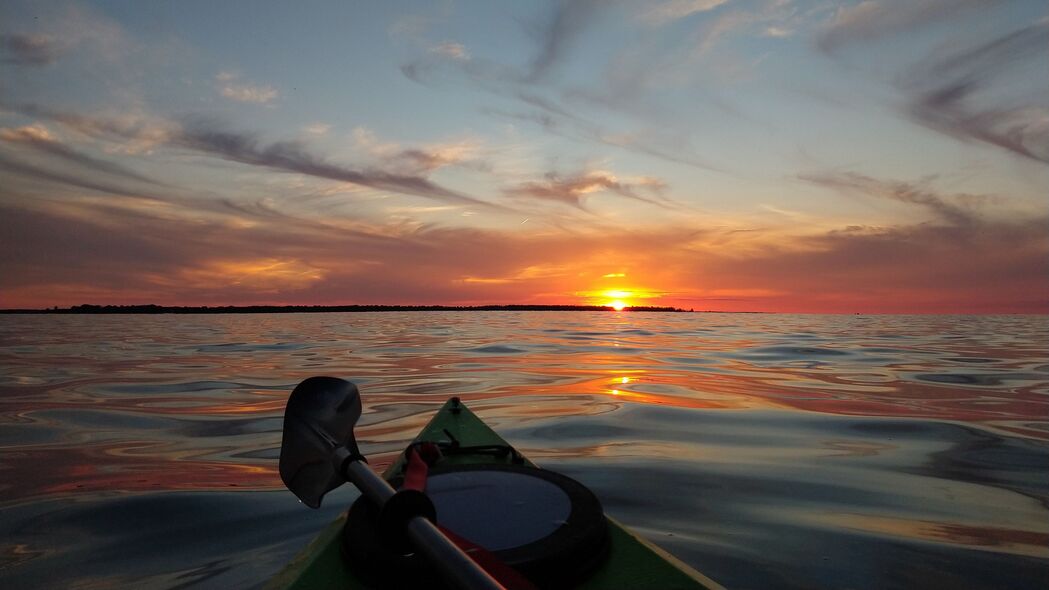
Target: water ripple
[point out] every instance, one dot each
(893, 452)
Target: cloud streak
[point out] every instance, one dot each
(230, 87)
(246, 148)
(31, 50)
(40, 139)
(420, 159)
(671, 10)
(131, 132)
(946, 91)
(951, 210)
(559, 121)
(292, 156)
(568, 20)
(452, 50)
(574, 190)
(871, 20)
(26, 169)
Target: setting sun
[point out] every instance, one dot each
(619, 298)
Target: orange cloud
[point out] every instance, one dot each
(262, 275)
(66, 256)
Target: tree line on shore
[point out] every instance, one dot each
(151, 308)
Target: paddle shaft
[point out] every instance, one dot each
(454, 564)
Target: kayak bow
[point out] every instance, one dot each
(468, 445)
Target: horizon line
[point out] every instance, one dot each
(150, 308)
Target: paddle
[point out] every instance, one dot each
(318, 453)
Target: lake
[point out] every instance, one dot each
(767, 451)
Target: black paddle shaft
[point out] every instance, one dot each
(453, 563)
(319, 452)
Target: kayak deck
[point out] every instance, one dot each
(632, 561)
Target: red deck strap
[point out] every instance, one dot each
(418, 466)
(420, 457)
(506, 575)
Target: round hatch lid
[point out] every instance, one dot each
(546, 525)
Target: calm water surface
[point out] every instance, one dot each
(765, 450)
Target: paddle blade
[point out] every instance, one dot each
(318, 419)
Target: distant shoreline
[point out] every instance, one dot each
(157, 309)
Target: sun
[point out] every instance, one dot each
(619, 298)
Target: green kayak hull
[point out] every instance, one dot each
(632, 562)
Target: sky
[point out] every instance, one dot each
(734, 155)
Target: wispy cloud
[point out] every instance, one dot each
(556, 37)
(719, 27)
(574, 190)
(421, 159)
(670, 147)
(51, 175)
(778, 31)
(208, 137)
(60, 31)
(230, 86)
(528, 84)
(429, 159)
(128, 132)
(870, 20)
(711, 46)
(452, 50)
(292, 156)
(317, 129)
(414, 27)
(961, 94)
(659, 13)
(31, 49)
(955, 210)
(39, 138)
